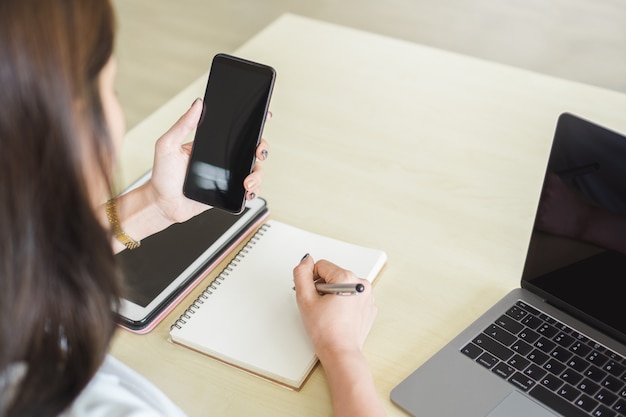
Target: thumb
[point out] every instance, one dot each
(178, 133)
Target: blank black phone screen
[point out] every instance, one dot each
(235, 105)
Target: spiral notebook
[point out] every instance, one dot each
(248, 316)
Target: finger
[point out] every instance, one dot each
(303, 278)
(253, 181)
(251, 195)
(184, 125)
(332, 273)
(252, 184)
(262, 151)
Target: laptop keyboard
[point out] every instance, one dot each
(553, 363)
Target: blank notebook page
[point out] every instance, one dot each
(248, 317)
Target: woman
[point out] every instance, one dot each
(61, 128)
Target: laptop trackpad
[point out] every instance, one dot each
(516, 405)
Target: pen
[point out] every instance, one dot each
(339, 289)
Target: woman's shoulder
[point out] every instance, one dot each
(118, 390)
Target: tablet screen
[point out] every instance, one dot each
(166, 255)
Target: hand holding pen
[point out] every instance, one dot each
(337, 328)
(342, 288)
(331, 321)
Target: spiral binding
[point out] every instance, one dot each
(204, 295)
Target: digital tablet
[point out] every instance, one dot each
(169, 264)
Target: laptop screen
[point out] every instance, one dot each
(577, 251)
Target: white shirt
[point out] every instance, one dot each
(118, 391)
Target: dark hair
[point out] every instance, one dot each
(59, 286)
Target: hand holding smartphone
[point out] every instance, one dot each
(236, 101)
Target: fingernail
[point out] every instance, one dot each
(194, 102)
(264, 154)
(250, 184)
(304, 257)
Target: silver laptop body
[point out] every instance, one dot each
(555, 346)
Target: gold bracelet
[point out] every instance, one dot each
(116, 227)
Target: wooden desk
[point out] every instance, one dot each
(434, 157)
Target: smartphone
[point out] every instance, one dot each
(236, 101)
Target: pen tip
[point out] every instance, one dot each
(360, 288)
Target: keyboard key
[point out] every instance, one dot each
(614, 356)
(563, 339)
(509, 324)
(580, 348)
(586, 403)
(588, 386)
(519, 362)
(516, 313)
(578, 364)
(538, 357)
(596, 346)
(571, 377)
(521, 381)
(487, 360)
(606, 397)
(568, 392)
(528, 335)
(614, 368)
(602, 411)
(547, 331)
(620, 406)
(501, 335)
(597, 359)
(472, 350)
(521, 347)
(580, 337)
(534, 372)
(544, 345)
(531, 322)
(547, 318)
(594, 373)
(561, 354)
(490, 345)
(552, 382)
(503, 370)
(554, 366)
(555, 402)
(564, 328)
(613, 384)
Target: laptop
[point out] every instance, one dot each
(557, 345)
